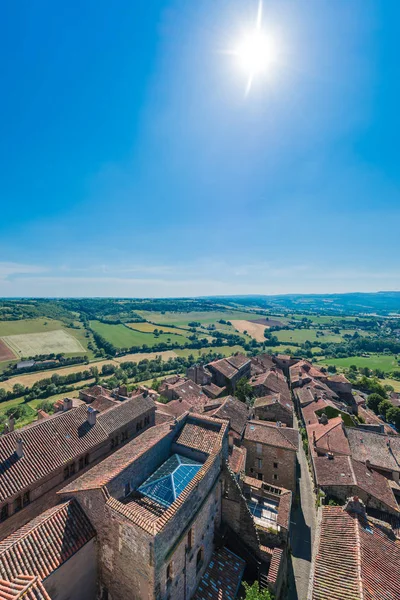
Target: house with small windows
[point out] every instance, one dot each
(271, 453)
(155, 505)
(37, 460)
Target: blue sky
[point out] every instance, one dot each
(133, 163)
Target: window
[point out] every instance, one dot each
(81, 463)
(275, 465)
(190, 538)
(275, 476)
(4, 513)
(18, 504)
(259, 448)
(259, 463)
(260, 476)
(26, 499)
(66, 473)
(127, 489)
(169, 573)
(86, 460)
(199, 559)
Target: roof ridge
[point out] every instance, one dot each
(358, 550)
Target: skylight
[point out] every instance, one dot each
(168, 482)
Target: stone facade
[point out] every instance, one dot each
(271, 464)
(273, 411)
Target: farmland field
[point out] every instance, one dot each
(124, 337)
(150, 327)
(303, 335)
(225, 350)
(28, 379)
(6, 353)
(255, 330)
(386, 362)
(203, 317)
(32, 344)
(29, 326)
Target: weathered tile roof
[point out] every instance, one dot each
(237, 412)
(272, 399)
(279, 437)
(343, 471)
(99, 475)
(354, 559)
(381, 450)
(329, 438)
(48, 445)
(212, 390)
(275, 565)
(45, 543)
(237, 459)
(27, 587)
(222, 577)
(123, 413)
(238, 360)
(198, 436)
(224, 367)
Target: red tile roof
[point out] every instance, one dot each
(124, 412)
(342, 471)
(308, 412)
(354, 559)
(235, 411)
(224, 367)
(381, 450)
(198, 436)
(237, 459)
(238, 360)
(28, 587)
(222, 577)
(329, 438)
(279, 437)
(45, 543)
(275, 565)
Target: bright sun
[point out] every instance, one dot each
(256, 53)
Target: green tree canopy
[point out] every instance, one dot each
(373, 401)
(244, 391)
(253, 592)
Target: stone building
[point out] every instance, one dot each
(179, 388)
(226, 372)
(303, 372)
(155, 505)
(381, 451)
(271, 453)
(274, 407)
(354, 556)
(56, 551)
(199, 374)
(38, 459)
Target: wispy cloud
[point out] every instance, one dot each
(10, 269)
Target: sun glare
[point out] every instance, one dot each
(256, 53)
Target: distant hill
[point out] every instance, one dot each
(383, 303)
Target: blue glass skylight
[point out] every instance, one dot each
(169, 481)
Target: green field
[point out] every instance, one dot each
(124, 337)
(29, 326)
(31, 337)
(386, 362)
(225, 350)
(303, 335)
(205, 317)
(150, 327)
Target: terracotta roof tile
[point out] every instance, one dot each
(381, 450)
(330, 437)
(45, 543)
(198, 437)
(354, 559)
(222, 577)
(279, 437)
(275, 565)
(27, 587)
(124, 412)
(235, 411)
(237, 459)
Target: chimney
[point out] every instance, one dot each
(145, 393)
(67, 404)
(11, 423)
(19, 447)
(323, 419)
(91, 415)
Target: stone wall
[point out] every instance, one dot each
(343, 492)
(278, 465)
(274, 412)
